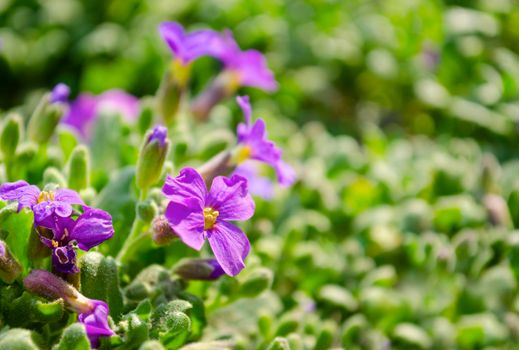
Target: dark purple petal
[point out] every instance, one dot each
(189, 184)
(285, 173)
(187, 46)
(81, 114)
(59, 93)
(231, 198)
(187, 220)
(26, 195)
(258, 185)
(67, 196)
(92, 227)
(160, 134)
(43, 213)
(230, 247)
(64, 259)
(243, 102)
(96, 322)
(218, 270)
(118, 102)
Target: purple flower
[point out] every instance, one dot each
(258, 185)
(59, 94)
(45, 204)
(91, 228)
(93, 314)
(248, 68)
(96, 322)
(253, 144)
(86, 108)
(187, 47)
(196, 214)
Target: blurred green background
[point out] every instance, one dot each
(400, 117)
(426, 67)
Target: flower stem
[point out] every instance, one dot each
(134, 236)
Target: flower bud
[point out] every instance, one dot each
(59, 94)
(26, 152)
(199, 269)
(151, 158)
(162, 233)
(171, 89)
(204, 103)
(220, 164)
(10, 135)
(79, 169)
(147, 210)
(10, 269)
(51, 175)
(44, 120)
(50, 286)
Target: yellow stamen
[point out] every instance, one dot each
(180, 72)
(55, 244)
(210, 216)
(243, 153)
(46, 196)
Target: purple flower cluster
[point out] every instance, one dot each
(196, 214)
(53, 211)
(246, 68)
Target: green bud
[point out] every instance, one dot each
(146, 116)
(171, 90)
(152, 345)
(147, 210)
(256, 282)
(10, 268)
(79, 168)
(295, 341)
(11, 133)
(54, 176)
(279, 343)
(26, 152)
(44, 120)
(353, 329)
(211, 345)
(73, 338)
(151, 158)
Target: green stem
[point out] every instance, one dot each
(135, 234)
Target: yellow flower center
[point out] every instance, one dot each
(243, 153)
(55, 244)
(210, 216)
(46, 196)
